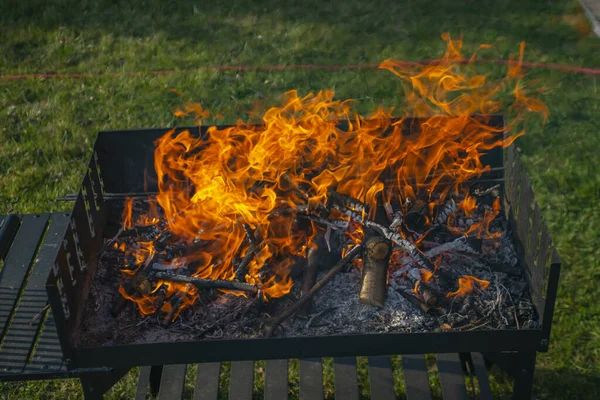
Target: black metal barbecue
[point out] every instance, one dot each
(122, 165)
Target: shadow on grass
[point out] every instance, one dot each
(306, 32)
(551, 384)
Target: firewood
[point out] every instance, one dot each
(270, 329)
(376, 259)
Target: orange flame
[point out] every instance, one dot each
(245, 174)
(127, 214)
(468, 205)
(466, 285)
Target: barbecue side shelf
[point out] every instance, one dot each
(122, 162)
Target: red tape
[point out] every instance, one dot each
(245, 68)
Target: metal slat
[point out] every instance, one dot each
(451, 376)
(20, 256)
(9, 225)
(48, 355)
(345, 377)
(18, 261)
(171, 383)
(485, 392)
(207, 381)
(311, 379)
(380, 378)
(276, 379)
(241, 381)
(141, 390)
(24, 327)
(416, 380)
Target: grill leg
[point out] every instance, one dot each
(523, 386)
(95, 384)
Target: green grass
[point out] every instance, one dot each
(47, 127)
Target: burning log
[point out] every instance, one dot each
(375, 264)
(209, 284)
(242, 269)
(309, 295)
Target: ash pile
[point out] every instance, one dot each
(442, 263)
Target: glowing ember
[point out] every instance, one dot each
(214, 190)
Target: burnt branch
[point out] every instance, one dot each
(395, 237)
(318, 286)
(208, 284)
(345, 201)
(242, 270)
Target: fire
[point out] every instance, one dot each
(127, 214)
(468, 205)
(466, 285)
(210, 187)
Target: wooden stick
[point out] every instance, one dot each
(242, 270)
(375, 264)
(207, 283)
(309, 277)
(318, 286)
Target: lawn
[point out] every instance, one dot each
(48, 125)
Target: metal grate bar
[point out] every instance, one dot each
(207, 381)
(18, 262)
(276, 379)
(241, 381)
(48, 355)
(9, 225)
(31, 311)
(451, 376)
(311, 379)
(416, 380)
(141, 391)
(346, 380)
(173, 378)
(485, 391)
(380, 378)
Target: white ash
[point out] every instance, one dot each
(336, 310)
